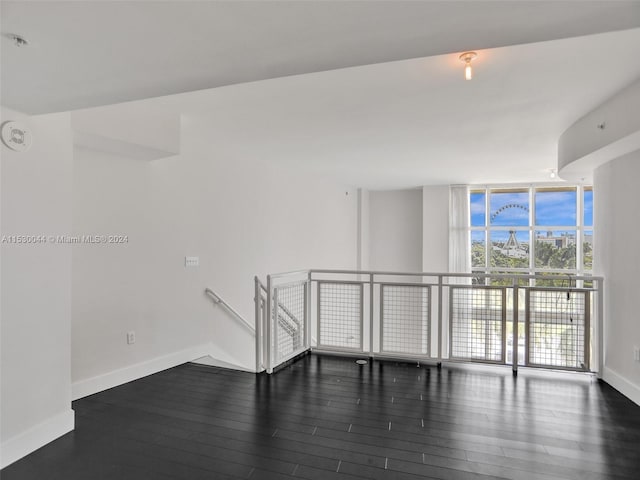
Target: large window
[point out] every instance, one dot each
(545, 229)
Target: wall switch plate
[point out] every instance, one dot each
(191, 261)
(636, 354)
(131, 338)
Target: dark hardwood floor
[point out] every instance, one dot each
(326, 417)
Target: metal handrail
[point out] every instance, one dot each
(219, 301)
(290, 315)
(450, 274)
(260, 284)
(443, 284)
(285, 318)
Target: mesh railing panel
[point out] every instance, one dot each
(340, 315)
(289, 315)
(405, 319)
(477, 323)
(556, 328)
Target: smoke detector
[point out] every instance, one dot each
(16, 136)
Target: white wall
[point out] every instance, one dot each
(617, 258)
(611, 130)
(435, 228)
(395, 230)
(36, 289)
(364, 216)
(408, 230)
(239, 215)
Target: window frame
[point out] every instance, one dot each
(531, 229)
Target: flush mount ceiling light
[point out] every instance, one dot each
(466, 57)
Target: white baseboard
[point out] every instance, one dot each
(219, 357)
(624, 386)
(38, 436)
(216, 362)
(89, 386)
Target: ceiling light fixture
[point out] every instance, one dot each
(552, 174)
(466, 57)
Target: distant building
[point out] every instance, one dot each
(558, 241)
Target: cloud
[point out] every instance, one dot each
(556, 208)
(552, 208)
(477, 204)
(510, 216)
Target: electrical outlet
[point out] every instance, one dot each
(636, 354)
(191, 261)
(131, 338)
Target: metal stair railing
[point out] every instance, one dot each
(495, 318)
(290, 324)
(239, 318)
(286, 320)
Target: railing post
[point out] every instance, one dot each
(258, 312)
(516, 319)
(318, 315)
(600, 330)
(587, 332)
(307, 312)
(440, 296)
(275, 324)
(269, 326)
(371, 315)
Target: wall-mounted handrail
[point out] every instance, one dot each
(239, 318)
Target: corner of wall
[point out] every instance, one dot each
(37, 436)
(36, 202)
(620, 383)
(99, 383)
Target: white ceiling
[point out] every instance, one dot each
(88, 53)
(418, 122)
(387, 108)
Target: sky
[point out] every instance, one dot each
(553, 208)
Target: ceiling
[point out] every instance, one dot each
(88, 53)
(418, 122)
(369, 92)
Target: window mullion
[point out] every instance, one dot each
(532, 220)
(487, 223)
(579, 230)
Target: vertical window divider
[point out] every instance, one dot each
(487, 223)
(579, 230)
(532, 224)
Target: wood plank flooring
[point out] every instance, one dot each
(326, 417)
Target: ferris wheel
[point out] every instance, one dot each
(507, 207)
(512, 247)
